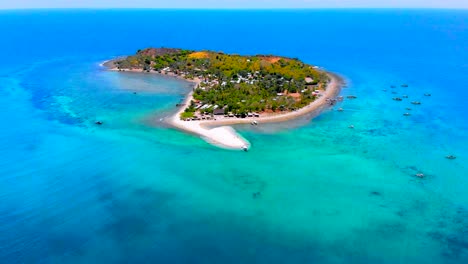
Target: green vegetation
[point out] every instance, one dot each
(237, 84)
(187, 114)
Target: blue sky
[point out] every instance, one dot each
(7, 4)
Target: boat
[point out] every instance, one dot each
(407, 108)
(351, 97)
(99, 123)
(331, 101)
(397, 98)
(405, 96)
(244, 148)
(404, 85)
(420, 175)
(351, 126)
(340, 109)
(427, 94)
(406, 114)
(254, 123)
(450, 157)
(416, 102)
(392, 86)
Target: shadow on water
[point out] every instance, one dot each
(452, 235)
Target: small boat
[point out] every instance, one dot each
(450, 157)
(351, 126)
(420, 175)
(406, 114)
(416, 102)
(340, 109)
(405, 96)
(392, 86)
(254, 123)
(404, 85)
(397, 98)
(99, 123)
(331, 101)
(427, 94)
(351, 97)
(394, 92)
(339, 98)
(384, 90)
(244, 148)
(407, 108)
(256, 194)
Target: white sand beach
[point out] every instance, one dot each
(224, 136)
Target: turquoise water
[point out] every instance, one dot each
(134, 190)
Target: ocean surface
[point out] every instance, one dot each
(135, 191)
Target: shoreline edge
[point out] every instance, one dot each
(219, 132)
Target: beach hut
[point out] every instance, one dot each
(219, 111)
(309, 80)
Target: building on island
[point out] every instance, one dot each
(219, 111)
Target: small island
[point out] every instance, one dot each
(234, 89)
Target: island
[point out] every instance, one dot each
(235, 89)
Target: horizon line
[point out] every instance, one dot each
(235, 8)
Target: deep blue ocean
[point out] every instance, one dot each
(136, 191)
